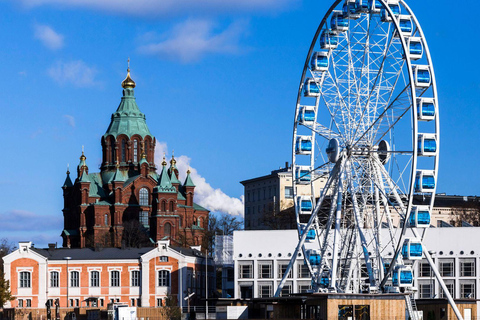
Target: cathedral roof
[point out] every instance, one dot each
(164, 183)
(68, 182)
(188, 180)
(128, 119)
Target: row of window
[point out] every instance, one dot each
(467, 289)
(446, 268)
(123, 149)
(265, 270)
(257, 196)
(135, 278)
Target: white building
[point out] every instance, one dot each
(261, 257)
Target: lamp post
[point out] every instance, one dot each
(432, 253)
(67, 258)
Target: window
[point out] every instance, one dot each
(132, 302)
(467, 267)
(106, 219)
(245, 271)
(450, 284)
(304, 287)
(24, 280)
(163, 278)
(264, 290)
(164, 205)
(143, 218)
(172, 206)
(288, 192)
(286, 290)
(159, 302)
(168, 229)
(143, 193)
(163, 259)
(425, 291)
(54, 279)
(303, 271)
(135, 150)
(447, 268)
(29, 303)
(74, 279)
(135, 278)
(467, 289)
(94, 279)
(101, 302)
(425, 269)
(77, 303)
(115, 278)
(265, 270)
(20, 303)
(112, 149)
(124, 151)
(282, 268)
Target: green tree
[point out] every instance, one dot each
(171, 310)
(5, 294)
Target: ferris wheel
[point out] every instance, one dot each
(365, 149)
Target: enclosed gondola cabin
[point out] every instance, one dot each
(338, 22)
(394, 7)
(311, 234)
(328, 39)
(427, 145)
(424, 181)
(303, 175)
(304, 204)
(426, 109)
(310, 88)
(306, 115)
(303, 145)
(362, 6)
(402, 277)
(422, 76)
(420, 217)
(412, 249)
(319, 61)
(313, 257)
(406, 26)
(350, 10)
(415, 48)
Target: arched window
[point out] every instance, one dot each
(164, 205)
(199, 222)
(25, 279)
(163, 278)
(171, 206)
(113, 159)
(74, 279)
(168, 229)
(143, 197)
(143, 218)
(95, 279)
(124, 151)
(106, 220)
(135, 150)
(54, 279)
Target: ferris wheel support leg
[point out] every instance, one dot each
(336, 236)
(333, 177)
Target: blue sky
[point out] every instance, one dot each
(217, 82)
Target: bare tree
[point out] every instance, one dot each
(285, 219)
(134, 234)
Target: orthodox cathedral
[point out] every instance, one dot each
(128, 199)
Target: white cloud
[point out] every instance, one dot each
(193, 39)
(166, 7)
(48, 37)
(205, 195)
(74, 72)
(70, 120)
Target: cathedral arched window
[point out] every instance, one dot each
(171, 206)
(168, 229)
(135, 150)
(143, 197)
(112, 151)
(164, 205)
(106, 219)
(200, 222)
(124, 151)
(143, 218)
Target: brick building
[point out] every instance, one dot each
(128, 195)
(95, 277)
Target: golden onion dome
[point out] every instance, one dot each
(128, 82)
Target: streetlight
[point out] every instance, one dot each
(432, 253)
(67, 258)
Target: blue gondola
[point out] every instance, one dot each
(338, 22)
(424, 181)
(306, 115)
(303, 175)
(412, 249)
(425, 109)
(362, 6)
(415, 48)
(402, 277)
(420, 217)
(427, 144)
(319, 61)
(310, 88)
(422, 76)
(311, 234)
(325, 282)
(306, 206)
(395, 10)
(375, 6)
(328, 40)
(313, 257)
(406, 26)
(350, 10)
(303, 145)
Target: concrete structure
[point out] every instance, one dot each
(86, 277)
(260, 257)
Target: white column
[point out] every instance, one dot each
(42, 283)
(144, 289)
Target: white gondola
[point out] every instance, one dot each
(350, 10)
(426, 109)
(427, 145)
(338, 22)
(311, 234)
(306, 115)
(328, 39)
(304, 145)
(420, 217)
(415, 47)
(412, 249)
(422, 76)
(402, 276)
(303, 175)
(319, 61)
(406, 25)
(313, 257)
(311, 88)
(375, 6)
(425, 181)
(362, 6)
(304, 204)
(395, 7)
